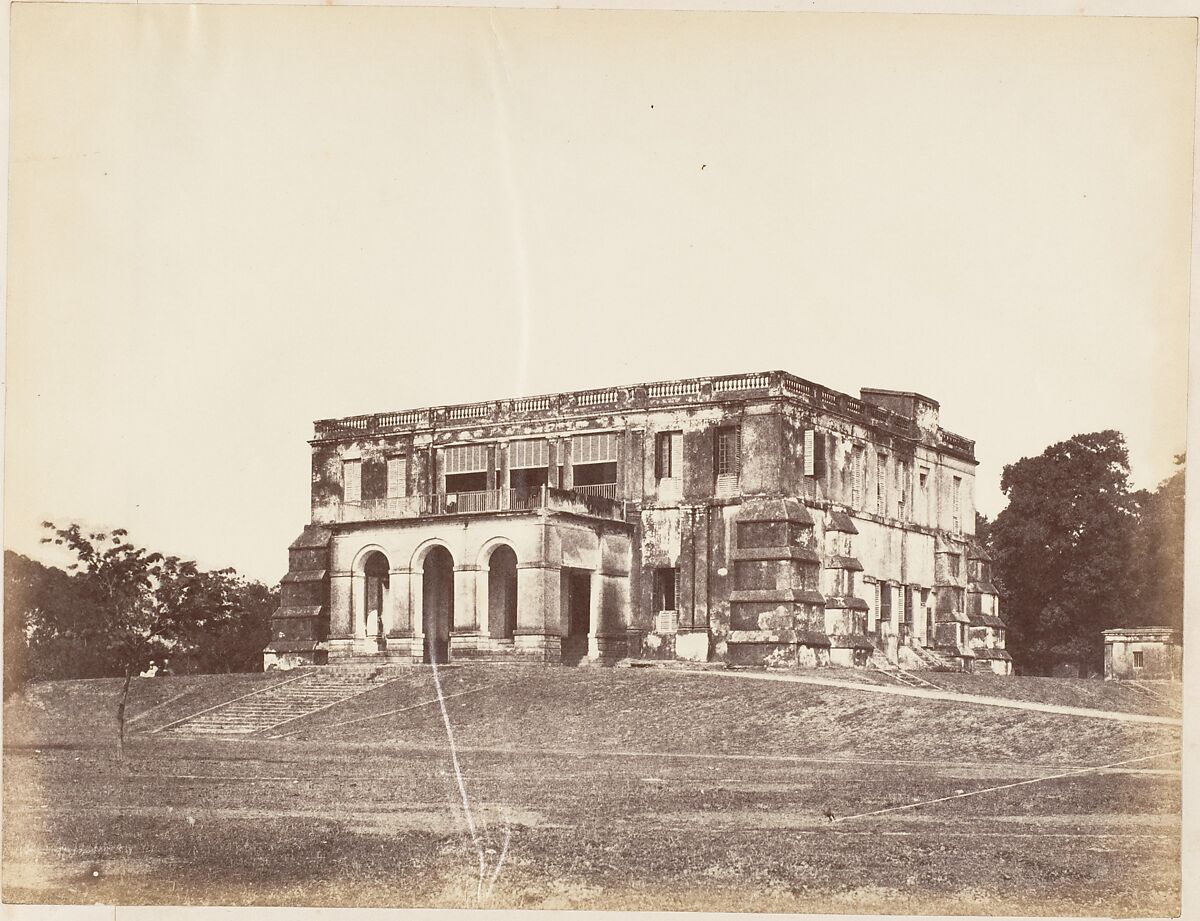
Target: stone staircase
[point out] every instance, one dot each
(1154, 695)
(933, 659)
(280, 703)
(907, 677)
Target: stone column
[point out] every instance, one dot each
(401, 620)
(623, 484)
(700, 583)
(464, 600)
(685, 586)
(537, 598)
(539, 612)
(631, 454)
(464, 631)
(491, 467)
(341, 614)
(482, 611)
(502, 475)
(596, 618)
(610, 617)
(399, 623)
(416, 607)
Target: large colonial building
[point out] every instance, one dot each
(750, 519)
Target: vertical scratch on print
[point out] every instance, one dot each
(462, 787)
(500, 860)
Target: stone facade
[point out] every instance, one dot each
(751, 519)
(1143, 653)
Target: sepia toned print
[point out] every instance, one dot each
(566, 603)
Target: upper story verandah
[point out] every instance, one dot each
(592, 502)
(662, 444)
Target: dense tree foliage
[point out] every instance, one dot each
(1156, 553)
(120, 606)
(1077, 552)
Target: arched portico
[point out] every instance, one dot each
(370, 599)
(481, 588)
(437, 603)
(501, 605)
(376, 595)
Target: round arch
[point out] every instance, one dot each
(365, 551)
(417, 563)
(371, 608)
(490, 546)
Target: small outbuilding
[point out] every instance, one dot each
(1143, 653)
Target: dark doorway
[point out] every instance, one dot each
(502, 593)
(375, 571)
(526, 487)
(577, 596)
(437, 606)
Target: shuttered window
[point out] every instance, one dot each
(669, 454)
(728, 459)
(881, 485)
(856, 476)
(397, 477)
(352, 481)
(957, 499)
(528, 453)
(810, 459)
(465, 459)
(598, 448)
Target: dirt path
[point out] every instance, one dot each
(942, 695)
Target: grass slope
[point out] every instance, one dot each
(640, 789)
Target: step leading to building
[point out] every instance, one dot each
(288, 700)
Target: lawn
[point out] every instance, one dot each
(619, 788)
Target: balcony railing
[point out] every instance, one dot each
(486, 500)
(640, 396)
(600, 500)
(603, 490)
(380, 509)
(956, 442)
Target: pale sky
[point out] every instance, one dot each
(227, 222)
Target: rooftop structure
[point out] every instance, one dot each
(1143, 653)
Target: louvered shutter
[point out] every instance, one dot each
(528, 454)
(465, 459)
(352, 481)
(397, 477)
(594, 448)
